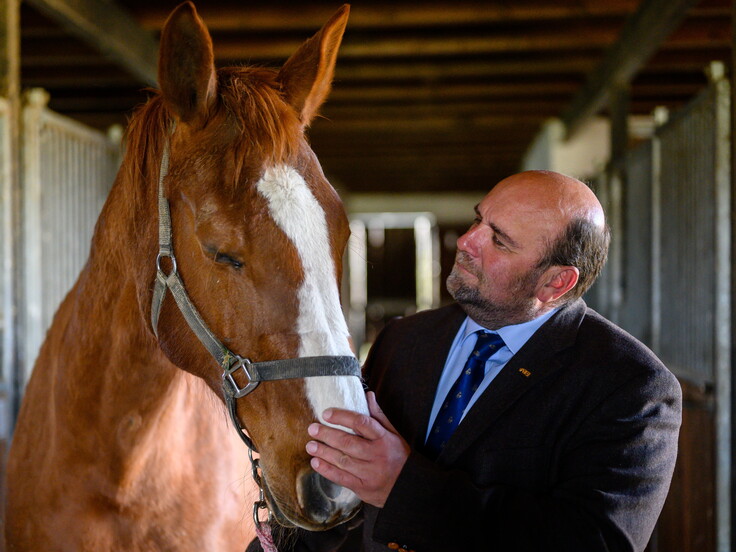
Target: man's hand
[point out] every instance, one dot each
(369, 462)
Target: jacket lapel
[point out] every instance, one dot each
(536, 360)
(429, 359)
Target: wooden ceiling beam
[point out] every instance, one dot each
(367, 144)
(366, 149)
(450, 91)
(401, 133)
(422, 46)
(439, 140)
(60, 59)
(391, 70)
(434, 124)
(110, 30)
(402, 165)
(419, 156)
(77, 70)
(413, 179)
(120, 104)
(312, 16)
(698, 34)
(501, 105)
(430, 122)
(76, 78)
(468, 110)
(644, 33)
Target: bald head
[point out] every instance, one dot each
(556, 196)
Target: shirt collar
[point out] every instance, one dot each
(515, 335)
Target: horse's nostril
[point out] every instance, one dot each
(322, 500)
(326, 487)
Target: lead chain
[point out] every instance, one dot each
(261, 503)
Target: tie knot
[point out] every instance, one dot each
(487, 345)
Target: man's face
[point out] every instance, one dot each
(496, 275)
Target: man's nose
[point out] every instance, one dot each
(468, 242)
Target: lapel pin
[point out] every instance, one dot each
(525, 372)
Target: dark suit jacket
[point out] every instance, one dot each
(571, 448)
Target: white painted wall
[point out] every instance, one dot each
(586, 153)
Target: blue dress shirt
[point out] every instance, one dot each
(514, 338)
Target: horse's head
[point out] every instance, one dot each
(258, 234)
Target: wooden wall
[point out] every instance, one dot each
(688, 521)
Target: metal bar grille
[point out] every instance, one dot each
(635, 312)
(6, 300)
(688, 279)
(67, 174)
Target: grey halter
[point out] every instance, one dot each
(255, 372)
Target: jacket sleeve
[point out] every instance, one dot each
(613, 477)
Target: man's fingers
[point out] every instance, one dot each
(337, 458)
(361, 424)
(354, 445)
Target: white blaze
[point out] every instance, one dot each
(321, 324)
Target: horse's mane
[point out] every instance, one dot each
(143, 142)
(267, 128)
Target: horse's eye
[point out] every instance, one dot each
(227, 259)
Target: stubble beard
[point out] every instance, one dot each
(490, 313)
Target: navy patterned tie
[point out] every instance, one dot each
(462, 390)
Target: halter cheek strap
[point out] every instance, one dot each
(255, 372)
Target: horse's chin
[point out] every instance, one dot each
(320, 520)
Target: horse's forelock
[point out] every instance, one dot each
(268, 131)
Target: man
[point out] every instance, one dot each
(566, 440)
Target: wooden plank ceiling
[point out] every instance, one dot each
(428, 97)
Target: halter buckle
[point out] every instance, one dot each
(228, 379)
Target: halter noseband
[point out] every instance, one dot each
(255, 372)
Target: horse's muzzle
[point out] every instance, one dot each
(324, 502)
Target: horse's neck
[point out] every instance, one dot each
(116, 392)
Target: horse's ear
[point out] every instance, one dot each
(307, 75)
(186, 65)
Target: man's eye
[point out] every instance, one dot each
(498, 242)
(224, 258)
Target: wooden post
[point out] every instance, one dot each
(732, 497)
(10, 208)
(619, 110)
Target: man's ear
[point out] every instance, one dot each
(556, 282)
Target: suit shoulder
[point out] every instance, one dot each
(601, 340)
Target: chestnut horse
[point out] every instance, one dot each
(122, 441)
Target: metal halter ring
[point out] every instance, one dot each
(173, 262)
(258, 505)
